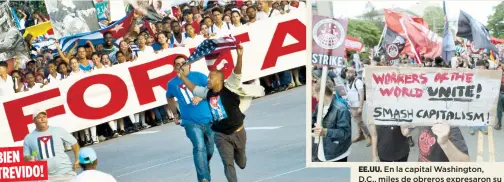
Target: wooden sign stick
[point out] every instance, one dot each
(491, 148)
(321, 100)
(480, 150)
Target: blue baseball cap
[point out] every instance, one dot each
(87, 155)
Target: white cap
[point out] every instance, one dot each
(37, 112)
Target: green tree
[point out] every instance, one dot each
(495, 21)
(373, 15)
(435, 17)
(365, 30)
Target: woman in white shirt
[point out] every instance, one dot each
(74, 66)
(236, 17)
(97, 61)
(204, 31)
(192, 39)
(63, 69)
(163, 41)
(54, 77)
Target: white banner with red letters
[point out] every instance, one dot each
(79, 102)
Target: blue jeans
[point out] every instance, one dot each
(285, 77)
(202, 138)
(160, 112)
(500, 107)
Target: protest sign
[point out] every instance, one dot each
(423, 96)
(14, 168)
(328, 41)
(77, 103)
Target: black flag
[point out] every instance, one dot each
(392, 46)
(474, 31)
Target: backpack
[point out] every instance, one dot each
(364, 86)
(343, 75)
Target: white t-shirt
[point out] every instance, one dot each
(54, 80)
(93, 175)
(194, 42)
(72, 74)
(35, 87)
(261, 15)
(148, 51)
(352, 92)
(6, 87)
(224, 30)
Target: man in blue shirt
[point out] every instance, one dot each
(195, 116)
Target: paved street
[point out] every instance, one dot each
(275, 145)
(361, 153)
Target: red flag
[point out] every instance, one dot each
(392, 19)
(149, 28)
(422, 40)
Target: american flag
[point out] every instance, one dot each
(210, 48)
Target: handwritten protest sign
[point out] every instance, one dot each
(422, 96)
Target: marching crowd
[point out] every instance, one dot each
(191, 23)
(345, 100)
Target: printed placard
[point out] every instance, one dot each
(13, 167)
(328, 41)
(424, 96)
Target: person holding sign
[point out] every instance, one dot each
(226, 100)
(389, 143)
(336, 130)
(442, 143)
(46, 143)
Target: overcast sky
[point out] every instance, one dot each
(480, 10)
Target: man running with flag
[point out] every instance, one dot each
(227, 100)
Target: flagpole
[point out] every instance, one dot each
(409, 40)
(379, 42)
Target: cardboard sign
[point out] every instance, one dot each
(76, 103)
(328, 40)
(423, 96)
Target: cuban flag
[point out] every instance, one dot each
(46, 147)
(210, 49)
(217, 109)
(118, 29)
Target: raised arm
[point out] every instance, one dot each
(190, 85)
(61, 54)
(238, 67)
(90, 44)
